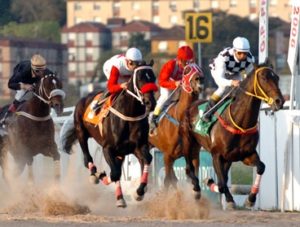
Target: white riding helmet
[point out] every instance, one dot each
(134, 54)
(241, 44)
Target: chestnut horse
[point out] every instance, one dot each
(30, 131)
(167, 138)
(234, 136)
(124, 130)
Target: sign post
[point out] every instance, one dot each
(292, 58)
(198, 29)
(263, 31)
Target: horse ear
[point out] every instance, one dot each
(268, 62)
(151, 62)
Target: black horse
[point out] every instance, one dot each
(30, 131)
(123, 131)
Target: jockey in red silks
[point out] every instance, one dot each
(119, 68)
(170, 78)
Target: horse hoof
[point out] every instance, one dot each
(230, 206)
(248, 204)
(197, 195)
(138, 197)
(121, 203)
(94, 179)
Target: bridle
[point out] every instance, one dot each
(44, 97)
(137, 94)
(136, 91)
(43, 93)
(264, 97)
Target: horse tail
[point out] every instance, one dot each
(68, 134)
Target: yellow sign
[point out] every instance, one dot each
(198, 27)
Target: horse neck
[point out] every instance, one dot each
(245, 108)
(129, 105)
(185, 99)
(37, 107)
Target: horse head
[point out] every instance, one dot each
(142, 85)
(192, 74)
(265, 86)
(49, 90)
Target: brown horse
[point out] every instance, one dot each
(30, 131)
(234, 136)
(167, 138)
(123, 131)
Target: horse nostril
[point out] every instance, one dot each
(278, 102)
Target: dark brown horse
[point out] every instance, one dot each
(234, 136)
(167, 138)
(124, 130)
(30, 131)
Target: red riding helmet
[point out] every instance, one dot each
(185, 53)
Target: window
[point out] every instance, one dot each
(136, 6)
(233, 3)
(214, 4)
(97, 19)
(72, 66)
(196, 4)
(78, 20)
(97, 6)
(77, 6)
(163, 46)
(173, 19)
(89, 36)
(252, 3)
(173, 6)
(273, 2)
(155, 19)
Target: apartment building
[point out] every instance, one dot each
(86, 42)
(166, 13)
(14, 50)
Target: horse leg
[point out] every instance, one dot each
(88, 160)
(115, 164)
(221, 168)
(191, 156)
(170, 178)
(53, 153)
(145, 159)
(254, 160)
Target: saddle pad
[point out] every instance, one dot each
(202, 127)
(92, 116)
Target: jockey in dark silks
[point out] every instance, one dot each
(25, 75)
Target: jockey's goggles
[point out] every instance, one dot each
(38, 71)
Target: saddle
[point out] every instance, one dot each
(98, 109)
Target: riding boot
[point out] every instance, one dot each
(153, 120)
(211, 103)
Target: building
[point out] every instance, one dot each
(166, 13)
(122, 34)
(85, 42)
(14, 50)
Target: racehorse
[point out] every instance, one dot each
(30, 130)
(167, 138)
(123, 131)
(234, 136)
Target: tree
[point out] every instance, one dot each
(138, 40)
(37, 10)
(5, 13)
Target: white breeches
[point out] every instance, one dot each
(164, 94)
(221, 87)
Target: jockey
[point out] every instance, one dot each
(226, 68)
(25, 75)
(119, 68)
(170, 78)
